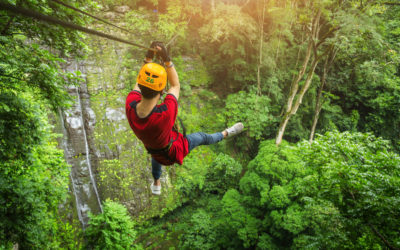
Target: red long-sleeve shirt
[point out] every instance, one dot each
(155, 130)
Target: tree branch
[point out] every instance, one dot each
(328, 33)
(382, 237)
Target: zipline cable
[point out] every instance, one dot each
(90, 15)
(65, 24)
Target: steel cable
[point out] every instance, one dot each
(65, 24)
(90, 15)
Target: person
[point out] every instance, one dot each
(153, 124)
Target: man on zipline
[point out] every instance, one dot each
(153, 124)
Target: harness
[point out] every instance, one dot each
(165, 150)
(162, 151)
(182, 126)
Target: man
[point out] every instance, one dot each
(153, 124)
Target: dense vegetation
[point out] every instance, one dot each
(316, 83)
(33, 172)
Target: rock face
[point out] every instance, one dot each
(122, 9)
(106, 158)
(110, 15)
(78, 124)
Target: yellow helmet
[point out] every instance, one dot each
(152, 76)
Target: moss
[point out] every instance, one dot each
(124, 168)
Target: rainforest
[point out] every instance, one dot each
(316, 84)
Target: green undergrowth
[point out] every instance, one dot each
(199, 184)
(338, 192)
(165, 232)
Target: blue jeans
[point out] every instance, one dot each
(194, 140)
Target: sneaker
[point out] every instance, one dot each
(235, 129)
(155, 189)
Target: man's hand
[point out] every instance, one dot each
(150, 53)
(163, 52)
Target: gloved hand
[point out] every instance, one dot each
(163, 52)
(150, 53)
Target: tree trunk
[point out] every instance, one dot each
(281, 129)
(295, 83)
(260, 51)
(280, 32)
(305, 87)
(318, 105)
(291, 109)
(319, 101)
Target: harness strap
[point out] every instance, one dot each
(161, 151)
(182, 126)
(165, 150)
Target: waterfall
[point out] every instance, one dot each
(65, 146)
(87, 151)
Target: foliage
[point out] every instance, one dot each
(200, 234)
(17, 127)
(25, 67)
(116, 179)
(285, 199)
(227, 39)
(113, 229)
(203, 171)
(377, 96)
(33, 172)
(191, 176)
(365, 174)
(61, 40)
(33, 175)
(172, 23)
(364, 78)
(252, 110)
(223, 174)
(338, 192)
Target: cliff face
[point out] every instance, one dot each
(77, 124)
(106, 158)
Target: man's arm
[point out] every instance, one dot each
(173, 79)
(171, 72)
(136, 87)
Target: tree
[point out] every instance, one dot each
(261, 24)
(316, 19)
(33, 173)
(323, 79)
(363, 80)
(345, 27)
(113, 229)
(228, 46)
(339, 192)
(200, 234)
